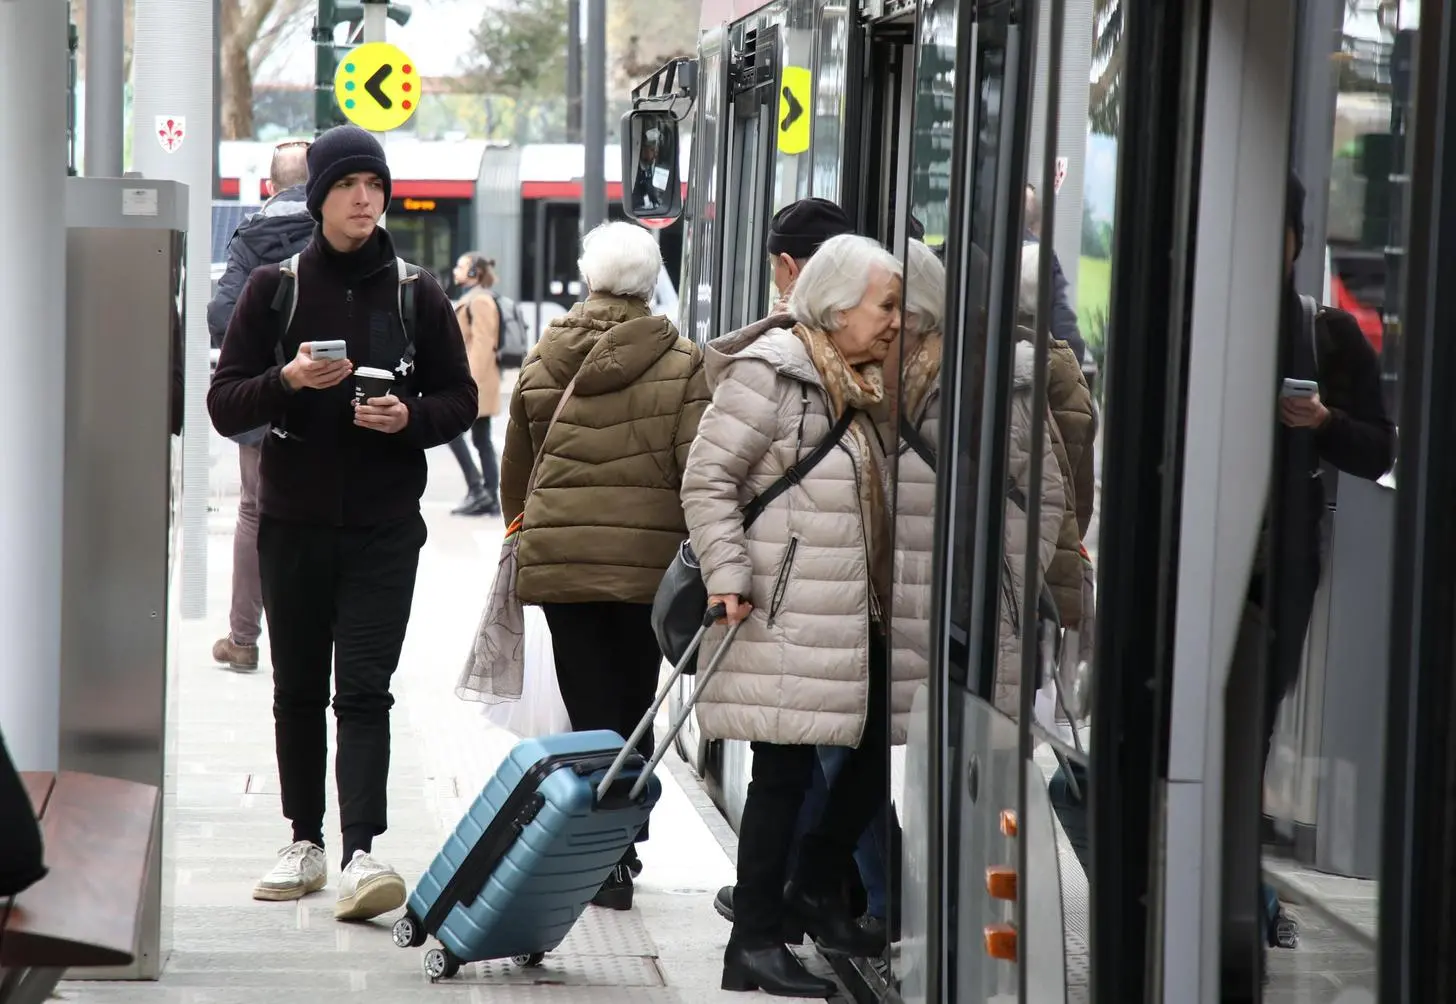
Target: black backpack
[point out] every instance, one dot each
(285, 302)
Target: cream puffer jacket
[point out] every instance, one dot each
(798, 672)
(1014, 539)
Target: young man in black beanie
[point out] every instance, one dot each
(340, 530)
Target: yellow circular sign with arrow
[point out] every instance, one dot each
(377, 86)
(795, 96)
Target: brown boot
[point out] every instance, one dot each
(240, 658)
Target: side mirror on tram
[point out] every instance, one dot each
(651, 178)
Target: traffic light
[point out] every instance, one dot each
(327, 54)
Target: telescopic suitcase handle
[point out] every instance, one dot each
(713, 615)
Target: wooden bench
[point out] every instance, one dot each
(87, 910)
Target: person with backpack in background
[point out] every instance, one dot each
(480, 322)
(342, 472)
(281, 228)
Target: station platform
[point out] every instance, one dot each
(227, 948)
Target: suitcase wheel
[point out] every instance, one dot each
(440, 965)
(408, 932)
(529, 961)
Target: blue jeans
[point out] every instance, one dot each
(874, 843)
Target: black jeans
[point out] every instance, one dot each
(487, 476)
(340, 595)
(781, 775)
(607, 664)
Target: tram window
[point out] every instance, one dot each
(702, 216)
(829, 98)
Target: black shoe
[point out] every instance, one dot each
(793, 932)
(774, 970)
(616, 891)
(481, 504)
(633, 862)
(828, 922)
(472, 499)
(875, 927)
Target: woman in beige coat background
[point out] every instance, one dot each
(479, 319)
(810, 581)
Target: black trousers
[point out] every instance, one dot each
(607, 664)
(781, 776)
(487, 476)
(338, 603)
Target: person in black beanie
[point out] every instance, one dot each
(795, 233)
(340, 480)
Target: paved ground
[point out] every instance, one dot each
(228, 949)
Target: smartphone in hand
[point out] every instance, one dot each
(1299, 388)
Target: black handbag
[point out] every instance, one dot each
(681, 604)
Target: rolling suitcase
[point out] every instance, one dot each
(540, 840)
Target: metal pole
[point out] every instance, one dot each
(32, 341)
(376, 26)
(594, 117)
(104, 42)
(172, 75)
(573, 71)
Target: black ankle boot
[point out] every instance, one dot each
(774, 970)
(827, 921)
(793, 931)
(616, 891)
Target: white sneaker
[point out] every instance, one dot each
(368, 888)
(301, 869)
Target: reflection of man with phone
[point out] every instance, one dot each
(340, 531)
(1330, 412)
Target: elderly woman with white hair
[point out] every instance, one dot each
(604, 410)
(809, 579)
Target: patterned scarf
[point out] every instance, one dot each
(921, 373)
(862, 388)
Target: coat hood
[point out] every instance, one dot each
(771, 340)
(280, 228)
(606, 342)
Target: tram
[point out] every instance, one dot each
(1156, 888)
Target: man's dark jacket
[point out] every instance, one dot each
(328, 470)
(277, 232)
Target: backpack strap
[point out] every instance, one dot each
(1310, 311)
(795, 474)
(916, 440)
(287, 294)
(409, 276)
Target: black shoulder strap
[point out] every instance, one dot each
(799, 471)
(917, 442)
(285, 299)
(409, 277)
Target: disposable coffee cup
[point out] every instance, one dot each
(370, 382)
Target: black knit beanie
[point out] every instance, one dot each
(799, 228)
(341, 151)
(1294, 211)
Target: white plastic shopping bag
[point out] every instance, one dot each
(540, 710)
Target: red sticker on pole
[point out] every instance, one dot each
(1060, 176)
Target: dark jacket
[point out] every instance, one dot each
(277, 232)
(1359, 439)
(328, 470)
(1064, 317)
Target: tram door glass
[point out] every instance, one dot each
(701, 220)
(920, 405)
(752, 124)
(1326, 700)
(831, 68)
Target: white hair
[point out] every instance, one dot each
(924, 286)
(836, 278)
(621, 259)
(1030, 278)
